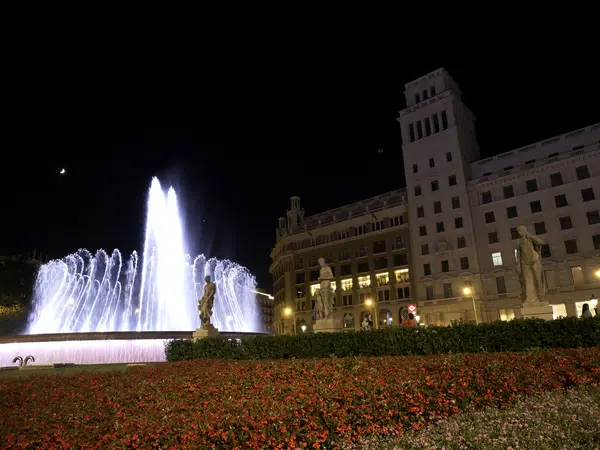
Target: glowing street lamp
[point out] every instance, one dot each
(597, 273)
(288, 313)
(370, 303)
(303, 328)
(469, 292)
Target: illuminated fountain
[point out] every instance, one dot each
(124, 300)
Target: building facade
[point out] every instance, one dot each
(460, 215)
(265, 303)
(366, 246)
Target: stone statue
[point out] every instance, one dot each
(205, 304)
(529, 267)
(325, 278)
(318, 311)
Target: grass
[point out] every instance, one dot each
(13, 374)
(567, 419)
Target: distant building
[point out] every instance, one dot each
(265, 302)
(447, 242)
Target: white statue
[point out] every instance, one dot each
(325, 278)
(529, 267)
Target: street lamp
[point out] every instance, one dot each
(597, 273)
(303, 328)
(468, 291)
(370, 303)
(287, 313)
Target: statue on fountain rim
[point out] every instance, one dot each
(205, 304)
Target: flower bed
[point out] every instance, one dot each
(265, 404)
(555, 420)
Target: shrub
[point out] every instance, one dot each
(516, 335)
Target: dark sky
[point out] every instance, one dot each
(236, 130)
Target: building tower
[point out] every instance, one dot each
(439, 142)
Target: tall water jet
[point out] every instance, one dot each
(101, 293)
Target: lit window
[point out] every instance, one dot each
(364, 282)
(507, 314)
(347, 284)
(402, 276)
(497, 258)
(382, 278)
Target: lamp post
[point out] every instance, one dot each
(288, 313)
(468, 291)
(370, 303)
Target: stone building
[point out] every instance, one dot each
(459, 219)
(366, 246)
(265, 303)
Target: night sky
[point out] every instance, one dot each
(236, 131)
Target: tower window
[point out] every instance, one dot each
(556, 179)
(452, 180)
(455, 202)
(436, 124)
(432, 90)
(419, 129)
(437, 207)
(535, 207)
(420, 212)
(417, 98)
(444, 120)
(434, 186)
(411, 132)
(417, 191)
(427, 126)
(582, 172)
(415, 168)
(486, 197)
(448, 156)
(588, 194)
(424, 94)
(532, 185)
(431, 162)
(508, 191)
(561, 201)
(511, 212)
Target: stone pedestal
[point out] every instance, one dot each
(205, 331)
(537, 310)
(327, 326)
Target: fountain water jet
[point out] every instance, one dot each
(102, 293)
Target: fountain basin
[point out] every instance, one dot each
(37, 367)
(94, 348)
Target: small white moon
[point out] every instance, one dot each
(63, 171)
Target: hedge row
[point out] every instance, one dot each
(516, 335)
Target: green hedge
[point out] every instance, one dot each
(516, 335)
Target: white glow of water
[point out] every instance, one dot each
(87, 292)
(85, 352)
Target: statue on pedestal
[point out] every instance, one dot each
(205, 304)
(326, 301)
(529, 267)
